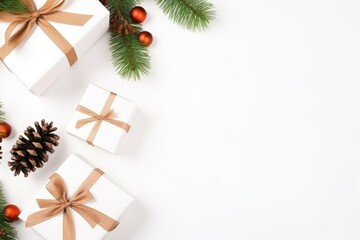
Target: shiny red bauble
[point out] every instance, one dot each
(138, 14)
(5, 129)
(145, 38)
(12, 212)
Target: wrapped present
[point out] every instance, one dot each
(102, 118)
(78, 202)
(39, 46)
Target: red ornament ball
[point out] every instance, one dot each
(145, 38)
(5, 130)
(12, 212)
(138, 14)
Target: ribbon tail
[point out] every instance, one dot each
(68, 226)
(95, 217)
(120, 124)
(68, 18)
(42, 216)
(59, 40)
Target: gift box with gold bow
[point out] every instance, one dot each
(40, 45)
(76, 205)
(102, 118)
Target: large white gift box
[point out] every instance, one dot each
(109, 199)
(109, 132)
(38, 62)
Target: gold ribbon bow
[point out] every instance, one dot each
(50, 11)
(106, 115)
(61, 203)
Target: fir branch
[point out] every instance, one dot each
(130, 57)
(194, 15)
(123, 7)
(4, 223)
(2, 113)
(14, 6)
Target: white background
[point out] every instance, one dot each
(247, 131)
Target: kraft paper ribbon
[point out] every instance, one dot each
(50, 11)
(62, 204)
(106, 115)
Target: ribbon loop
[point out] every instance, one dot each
(107, 115)
(52, 207)
(50, 11)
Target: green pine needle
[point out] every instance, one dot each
(14, 6)
(124, 6)
(2, 114)
(4, 223)
(131, 58)
(194, 15)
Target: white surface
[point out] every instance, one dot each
(37, 67)
(247, 131)
(108, 136)
(103, 188)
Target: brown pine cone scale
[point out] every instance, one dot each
(30, 152)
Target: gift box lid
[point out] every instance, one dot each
(109, 199)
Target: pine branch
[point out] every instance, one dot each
(124, 6)
(2, 114)
(4, 223)
(194, 15)
(14, 6)
(131, 58)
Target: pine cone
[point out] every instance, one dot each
(104, 2)
(31, 152)
(3, 233)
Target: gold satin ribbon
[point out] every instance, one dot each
(50, 11)
(61, 203)
(106, 115)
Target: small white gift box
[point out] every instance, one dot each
(108, 199)
(102, 118)
(38, 62)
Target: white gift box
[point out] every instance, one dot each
(109, 136)
(38, 62)
(108, 199)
